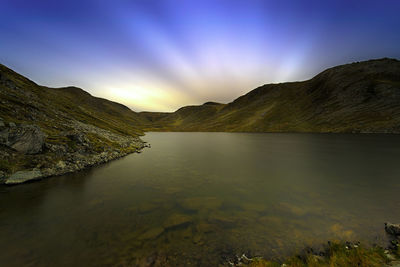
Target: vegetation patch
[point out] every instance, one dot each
(335, 254)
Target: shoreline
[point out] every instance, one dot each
(62, 169)
(336, 253)
(85, 146)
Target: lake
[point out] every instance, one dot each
(200, 198)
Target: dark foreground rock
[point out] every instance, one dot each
(392, 229)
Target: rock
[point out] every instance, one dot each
(392, 229)
(390, 256)
(61, 165)
(176, 220)
(2, 123)
(152, 233)
(58, 149)
(27, 139)
(2, 176)
(23, 176)
(78, 137)
(11, 124)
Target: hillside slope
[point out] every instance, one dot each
(47, 131)
(357, 97)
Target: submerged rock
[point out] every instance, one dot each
(152, 233)
(392, 229)
(176, 220)
(23, 176)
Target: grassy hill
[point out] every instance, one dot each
(23, 101)
(357, 97)
(58, 130)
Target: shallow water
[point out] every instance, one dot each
(200, 198)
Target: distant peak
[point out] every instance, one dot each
(74, 89)
(212, 103)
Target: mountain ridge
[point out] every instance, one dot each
(356, 97)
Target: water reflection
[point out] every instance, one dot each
(201, 197)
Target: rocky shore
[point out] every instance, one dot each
(336, 253)
(26, 154)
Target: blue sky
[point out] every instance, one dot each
(160, 55)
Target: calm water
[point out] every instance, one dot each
(200, 198)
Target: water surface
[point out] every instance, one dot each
(200, 198)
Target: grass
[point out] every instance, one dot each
(336, 254)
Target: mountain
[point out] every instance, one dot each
(50, 131)
(358, 97)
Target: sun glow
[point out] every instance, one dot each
(160, 55)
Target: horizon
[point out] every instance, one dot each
(157, 56)
(210, 100)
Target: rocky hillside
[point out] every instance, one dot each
(46, 131)
(358, 97)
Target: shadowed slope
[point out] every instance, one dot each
(357, 97)
(23, 101)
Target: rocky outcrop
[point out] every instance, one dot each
(52, 131)
(392, 229)
(85, 146)
(27, 139)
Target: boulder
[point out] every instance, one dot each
(27, 139)
(23, 176)
(151, 233)
(392, 229)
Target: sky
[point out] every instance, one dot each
(159, 55)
